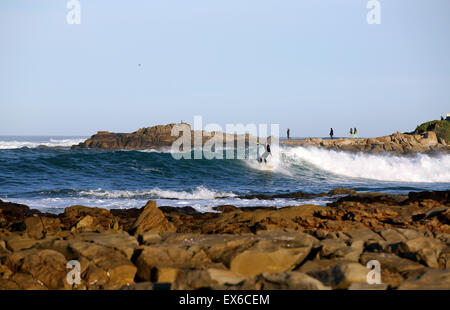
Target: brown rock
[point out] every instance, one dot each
(152, 220)
(268, 256)
(46, 266)
(429, 280)
(81, 218)
(34, 227)
(292, 280)
(168, 256)
(118, 268)
(393, 268)
(337, 273)
(424, 250)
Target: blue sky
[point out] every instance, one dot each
(308, 65)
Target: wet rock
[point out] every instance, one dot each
(341, 191)
(443, 197)
(152, 220)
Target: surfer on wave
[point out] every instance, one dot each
(265, 154)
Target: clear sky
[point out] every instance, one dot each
(308, 65)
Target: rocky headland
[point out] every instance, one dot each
(431, 138)
(397, 143)
(298, 247)
(156, 137)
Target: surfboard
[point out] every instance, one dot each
(267, 167)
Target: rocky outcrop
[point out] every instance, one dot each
(156, 137)
(151, 220)
(300, 247)
(396, 143)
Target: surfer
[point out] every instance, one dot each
(265, 154)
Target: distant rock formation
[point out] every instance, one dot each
(423, 140)
(397, 143)
(156, 137)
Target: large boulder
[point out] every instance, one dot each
(45, 266)
(152, 220)
(268, 256)
(81, 218)
(168, 256)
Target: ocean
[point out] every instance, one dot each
(53, 177)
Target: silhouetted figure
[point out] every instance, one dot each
(442, 118)
(331, 133)
(351, 132)
(265, 154)
(288, 132)
(355, 133)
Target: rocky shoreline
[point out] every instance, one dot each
(298, 247)
(397, 144)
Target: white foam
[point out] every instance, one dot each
(199, 192)
(4, 145)
(420, 168)
(275, 160)
(57, 205)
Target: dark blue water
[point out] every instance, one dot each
(52, 179)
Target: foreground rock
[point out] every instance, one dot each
(302, 247)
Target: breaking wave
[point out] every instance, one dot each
(17, 144)
(200, 192)
(420, 168)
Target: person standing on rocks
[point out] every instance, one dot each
(351, 132)
(355, 133)
(288, 132)
(331, 133)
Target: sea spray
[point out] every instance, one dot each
(417, 168)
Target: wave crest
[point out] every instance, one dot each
(420, 168)
(199, 193)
